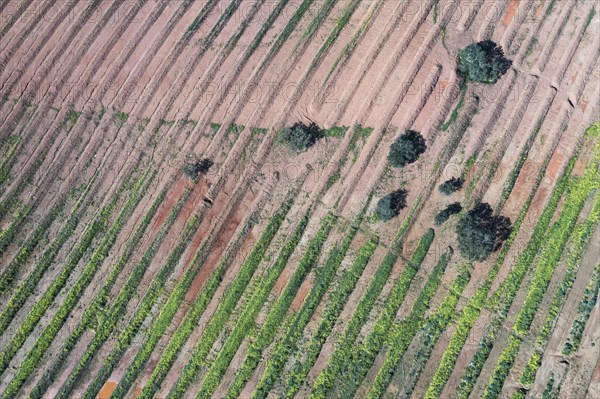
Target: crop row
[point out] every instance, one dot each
(316, 22)
(334, 307)
(26, 176)
(12, 270)
(258, 342)
(587, 303)
(98, 225)
(7, 236)
(43, 342)
(580, 238)
(12, 143)
(351, 45)
(514, 173)
(341, 355)
(480, 298)
(502, 298)
(183, 332)
(159, 325)
(401, 334)
(92, 313)
(246, 321)
(362, 358)
(25, 289)
(192, 368)
(108, 323)
(579, 190)
(289, 343)
(432, 330)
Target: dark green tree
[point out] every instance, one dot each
(451, 185)
(300, 137)
(445, 214)
(480, 232)
(390, 205)
(194, 169)
(483, 62)
(406, 149)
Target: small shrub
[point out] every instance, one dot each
(194, 169)
(390, 206)
(444, 215)
(451, 185)
(483, 62)
(480, 232)
(300, 137)
(406, 149)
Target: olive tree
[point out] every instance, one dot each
(406, 149)
(483, 62)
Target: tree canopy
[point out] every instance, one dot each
(300, 137)
(451, 185)
(445, 214)
(483, 62)
(480, 232)
(390, 205)
(406, 149)
(193, 169)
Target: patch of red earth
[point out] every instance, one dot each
(301, 295)
(282, 280)
(137, 392)
(217, 251)
(107, 390)
(538, 10)
(583, 104)
(167, 205)
(553, 166)
(513, 5)
(540, 198)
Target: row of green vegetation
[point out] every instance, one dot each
(340, 23)
(7, 236)
(579, 241)
(348, 49)
(26, 288)
(316, 22)
(260, 341)
(333, 309)
(43, 342)
(587, 303)
(402, 333)
(11, 145)
(295, 328)
(202, 349)
(175, 299)
(479, 300)
(12, 271)
(548, 250)
(100, 303)
(200, 18)
(156, 290)
(502, 298)
(341, 356)
(27, 176)
(107, 321)
(514, 173)
(247, 319)
(96, 227)
(430, 333)
(201, 302)
(363, 357)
